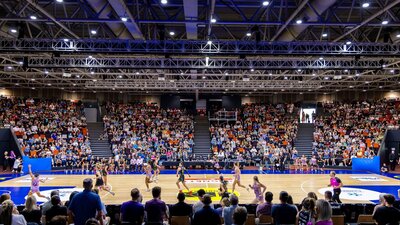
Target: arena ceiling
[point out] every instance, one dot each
(231, 46)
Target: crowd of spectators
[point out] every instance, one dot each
(348, 130)
(262, 131)
(142, 132)
(47, 128)
(86, 208)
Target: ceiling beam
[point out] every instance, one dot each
(380, 12)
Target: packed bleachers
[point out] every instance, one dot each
(347, 130)
(48, 128)
(145, 131)
(261, 131)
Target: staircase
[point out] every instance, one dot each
(99, 148)
(305, 136)
(202, 139)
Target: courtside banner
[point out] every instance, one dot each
(206, 180)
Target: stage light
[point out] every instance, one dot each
(213, 20)
(137, 73)
(164, 2)
(171, 33)
(321, 58)
(348, 42)
(66, 39)
(299, 21)
(265, 3)
(324, 35)
(248, 34)
(124, 19)
(385, 22)
(209, 42)
(365, 5)
(33, 17)
(13, 30)
(48, 84)
(252, 70)
(94, 32)
(33, 88)
(120, 76)
(59, 1)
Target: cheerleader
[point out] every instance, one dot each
(257, 186)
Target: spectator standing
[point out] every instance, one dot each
(392, 160)
(133, 211)
(156, 209)
(284, 213)
(86, 205)
(31, 212)
(227, 213)
(206, 215)
(47, 205)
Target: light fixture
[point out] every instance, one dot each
(357, 74)
(213, 20)
(137, 73)
(365, 5)
(324, 35)
(66, 39)
(392, 71)
(171, 33)
(59, 1)
(252, 70)
(164, 2)
(48, 84)
(120, 76)
(209, 42)
(346, 70)
(380, 86)
(285, 78)
(33, 88)
(9, 67)
(314, 74)
(16, 84)
(265, 3)
(270, 74)
(124, 19)
(32, 79)
(248, 34)
(46, 72)
(367, 82)
(182, 73)
(33, 17)
(321, 58)
(90, 56)
(74, 84)
(77, 76)
(398, 36)
(204, 77)
(298, 70)
(91, 72)
(20, 63)
(351, 86)
(226, 73)
(364, 90)
(13, 30)
(93, 32)
(348, 42)
(385, 22)
(299, 21)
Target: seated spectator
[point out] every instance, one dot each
(181, 208)
(239, 216)
(56, 210)
(206, 215)
(307, 212)
(312, 195)
(336, 207)
(9, 214)
(387, 214)
(224, 203)
(284, 213)
(384, 168)
(199, 205)
(132, 211)
(156, 209)
(59, 220)
(31, 212)
(381, 202)
(47, 205)
(227, 213)
(71, 196)
(265, 208)
(86, 205)
(105, 218)
(324, 213)
(4, 197)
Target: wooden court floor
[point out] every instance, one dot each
(297, 185)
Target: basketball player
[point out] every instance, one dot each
(223, 188)
(35, 182)
(156, 170)
(99, 182)
(180, 173)
(336, 184)
(147, 180)
(257, 186)
(236, 178)
(104, 173)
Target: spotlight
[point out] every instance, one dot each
(365, 5)
(171, 33)
(124, 19)
(94, 32)
(209, 42)
(299, 21)
(324, 35)
(385, 22)
(59, 1)
(164, 2)
(265, 3)
(213, 20)
(348, 43)
(248, 34)
(13, 30)
(33, 17)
